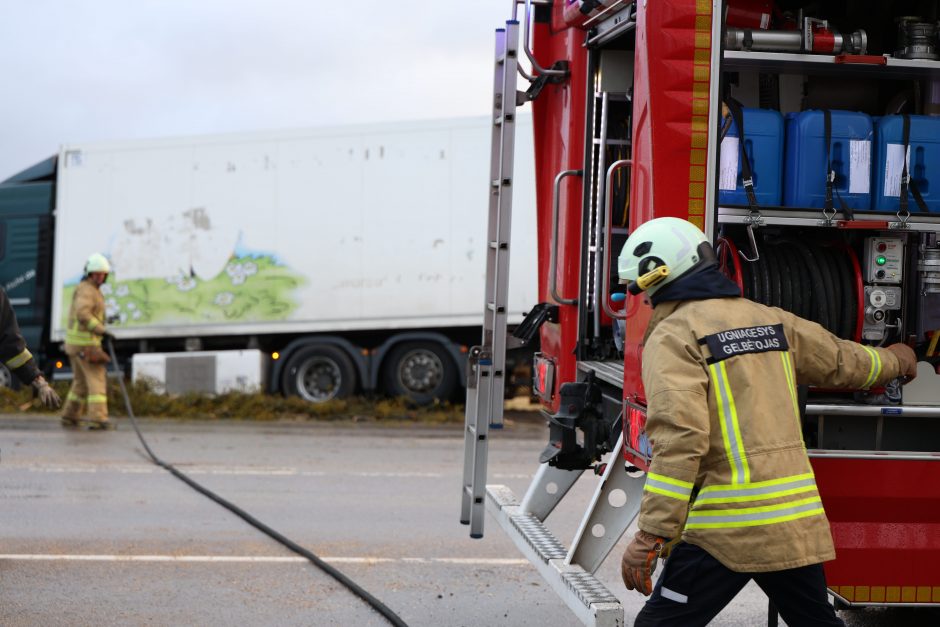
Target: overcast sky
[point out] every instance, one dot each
(96, 70)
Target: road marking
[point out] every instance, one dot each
(238, 559)
(233, 471)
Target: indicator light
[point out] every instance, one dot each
(881, 260)
(882, 247)
(275, 355)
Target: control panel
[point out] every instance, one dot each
(884, 260)
(879, 301)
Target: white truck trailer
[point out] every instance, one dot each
(347, 257)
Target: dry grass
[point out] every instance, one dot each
(241, 406)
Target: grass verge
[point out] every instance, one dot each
(243, 406)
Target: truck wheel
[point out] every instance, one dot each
(421, 372)
(319, 374)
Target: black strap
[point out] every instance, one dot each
(747, 177)
(831, 174)
(906, 181)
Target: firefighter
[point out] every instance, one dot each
(17, 358)
(730, 475)
(86, 329)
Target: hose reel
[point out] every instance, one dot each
(822, 283)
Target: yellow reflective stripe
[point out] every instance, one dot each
(791, 381)
(753, 516)
(97, 398)
(72, 396)
(667, 492)
(759, 491)
(77, 337)
(19, 360)
(754, 523)
(757, 496)
(730, 429)
(667, 486)
(676, 482)
(759, 484)
(875, 371)
(92, 323)
(83, 339)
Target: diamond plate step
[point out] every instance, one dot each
(582, 592)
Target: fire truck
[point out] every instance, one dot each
(804, 140)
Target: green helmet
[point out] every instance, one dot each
(97, 263)
(660, 251)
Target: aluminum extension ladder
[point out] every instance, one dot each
(487, 362)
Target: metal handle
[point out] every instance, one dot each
(525, 42)
(553, 245)
(605, 287)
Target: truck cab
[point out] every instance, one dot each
(27, 202)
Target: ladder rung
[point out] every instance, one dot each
(500, 119)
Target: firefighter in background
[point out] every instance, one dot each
(17, 358)
(86, 329)
(730, 474)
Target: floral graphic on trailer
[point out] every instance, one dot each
(251, 288)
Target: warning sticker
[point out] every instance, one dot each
(895, 157)
(859, 166)
(745, 340)
(728, 178)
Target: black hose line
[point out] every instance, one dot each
(813, 281)
(355, 588)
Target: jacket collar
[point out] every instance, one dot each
(660, 313)
(707, 283)
(703, 285)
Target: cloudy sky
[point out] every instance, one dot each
(96, 70)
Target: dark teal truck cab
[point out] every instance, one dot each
(27, 202)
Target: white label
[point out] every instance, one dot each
(728, 179)
(764, 21)
(860, 166)
(894, 166)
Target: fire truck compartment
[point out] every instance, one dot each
(885, 520)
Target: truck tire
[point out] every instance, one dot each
(319, 373)
(421, 372)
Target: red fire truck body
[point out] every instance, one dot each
(631, 119)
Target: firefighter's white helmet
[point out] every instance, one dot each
(660, 251)
(97, 263)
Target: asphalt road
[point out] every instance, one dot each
(94, 534)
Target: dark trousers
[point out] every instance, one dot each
(694, 587)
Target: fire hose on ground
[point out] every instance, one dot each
(380, 607)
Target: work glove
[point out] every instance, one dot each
(639, 562)
(46, 394)
(907, 359)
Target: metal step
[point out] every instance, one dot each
(582, 592)
(609, 371)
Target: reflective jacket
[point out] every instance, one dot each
(729, 469)
(13, 352)
(86, 316)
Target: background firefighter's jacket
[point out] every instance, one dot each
(86, 316)
(13, 352)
